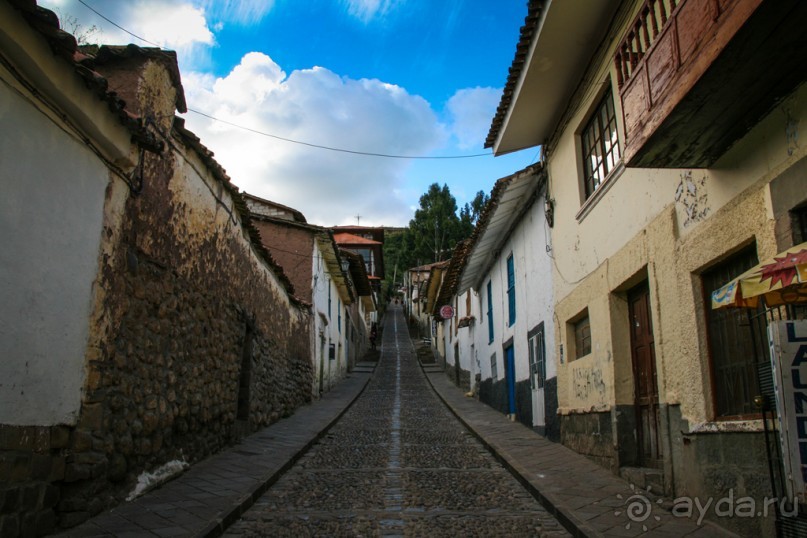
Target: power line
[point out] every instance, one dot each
(292, 141)
(83, 3)
(341, 150)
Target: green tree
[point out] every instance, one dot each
(436, 227)
(469, 214)
(432, 234)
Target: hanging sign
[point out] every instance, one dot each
(788, 341)
(447, 312)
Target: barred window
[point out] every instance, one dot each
(734, 349)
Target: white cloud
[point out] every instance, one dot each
(319, 107)
(470, 111)
(172, 24)
(367, 10)
(243, 12)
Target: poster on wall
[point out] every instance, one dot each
(788, 344)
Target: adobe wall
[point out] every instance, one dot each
(292, 248)
(192, 341)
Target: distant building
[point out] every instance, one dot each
(326, 277)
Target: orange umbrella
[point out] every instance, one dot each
(780, 280)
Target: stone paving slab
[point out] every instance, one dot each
(586, 498)
(213, 493)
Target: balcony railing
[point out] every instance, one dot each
(652, 19)
(688, 73)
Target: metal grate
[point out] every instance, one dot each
(792, 527)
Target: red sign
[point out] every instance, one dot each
(447, 312)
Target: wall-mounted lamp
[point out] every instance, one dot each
(549, 211)
(345, 265)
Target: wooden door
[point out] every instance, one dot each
(643, 356)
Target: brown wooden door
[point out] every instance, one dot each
(643, 355)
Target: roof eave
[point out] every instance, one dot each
(563, 40)
(515, 196)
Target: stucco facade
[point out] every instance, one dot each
(652, 236)
(487, 343)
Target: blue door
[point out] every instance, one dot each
(510, 376)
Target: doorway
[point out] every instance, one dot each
(510, 379)
(537, 351)
(645, 384)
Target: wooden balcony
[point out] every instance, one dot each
(694, 76)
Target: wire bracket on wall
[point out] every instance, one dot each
(135, 178)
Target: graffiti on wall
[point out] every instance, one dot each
(692, 196)
(588, 383)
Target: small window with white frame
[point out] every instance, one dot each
(537, 351)
(600, 145)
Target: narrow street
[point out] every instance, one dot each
(397, 463)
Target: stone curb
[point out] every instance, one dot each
(565, 514)
(274, 462)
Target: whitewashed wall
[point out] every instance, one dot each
(52, 190)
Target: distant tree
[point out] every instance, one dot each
(70, 24)
(395, 259)
(469, 214)
(436, 227)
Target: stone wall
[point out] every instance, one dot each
(718, 465)
(552, 428)
(590, 434)
(193, 339)
(459, 376)
(524, 402)
(199, 343)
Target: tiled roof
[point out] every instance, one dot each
(343, 238)
(522, 49)
(64, 45)
(511, 195)
(451, 279)
(102, 54)
(428, 266)
(84, 61)
(462, 252)
(297, 215)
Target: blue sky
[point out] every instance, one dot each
(400, 77)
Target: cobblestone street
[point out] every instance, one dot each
(397, 463)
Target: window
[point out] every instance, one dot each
(367, 256)
(329, 299)
(582, 336)
(733, 345)
(511, 291)
(537, 351)
(600, 144)
(490, 312)
(799, 216)
(494, 370)
(339, 314)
